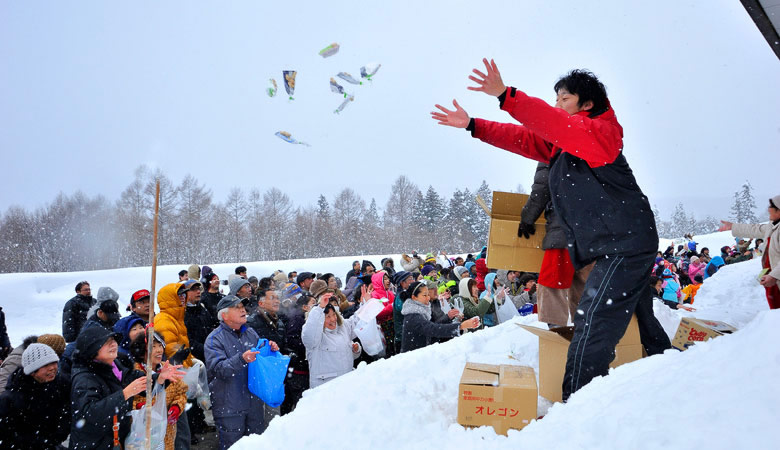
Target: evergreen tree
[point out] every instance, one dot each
(679, 221)
(743, 209)
(435, 210)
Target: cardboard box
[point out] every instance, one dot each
(502, 396)
(692, 330)
(505, 249)
(554, 348)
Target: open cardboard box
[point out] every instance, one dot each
(554, 348)
(505, 249)
(502, 396)
(692, 330)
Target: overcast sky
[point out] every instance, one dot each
(91, 90)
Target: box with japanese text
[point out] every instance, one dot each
(505, 249)
(692, 330)
(554, 348)
(502, 396)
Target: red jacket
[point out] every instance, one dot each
(482, 271)
(597, 140)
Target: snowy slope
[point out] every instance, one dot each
(720, 394)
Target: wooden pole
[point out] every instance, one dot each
(483, 205)
(150, 330)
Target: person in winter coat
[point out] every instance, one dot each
(712, 267)
(102, 390)
(560, 285)
(418, 329)
(352, 289)
(139, 305)
(5, 343)
(104, 314)
(241, 288)
(600, 203)
(266, 321)
(328, 340)
(130, 330)
(332, 283)
(170, 323)
(770, 260)
(74, 313)
(411, 263)
(695, 267)
(35, 408)
(354, 272)
(237, 411)
(298, 376)
(197, 319)
(472, 305)
(175, 393)
(14, 361)
(380, 281)
(211, 295)
(672, 294)
(401, 280)
(481, 272)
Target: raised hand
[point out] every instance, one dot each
(170, 372)
(457, 118)
(490, 83)
(136, 387)
(726, 226)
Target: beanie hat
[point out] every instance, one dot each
(236, 283)
(55, 341)
(459, 271)
(106, 293)
(290, 290)
(427, 269)
(36, 356)
(774, 202)
(399, 277)
(318, 287)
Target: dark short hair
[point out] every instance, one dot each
(290, 274)
(303, 300)
(265, 283)
(240, 269)
(325, 277)
(80, 285)
(182, 273)
(587, 86)
(261, 293)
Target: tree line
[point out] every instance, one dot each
(78, 232)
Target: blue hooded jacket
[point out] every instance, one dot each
(713, 266)
(123, 326)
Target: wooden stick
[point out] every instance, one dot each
(150, 330)
(483, 205)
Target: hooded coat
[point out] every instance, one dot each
(769, 232)
(482, 270)
(712, 267)
(96, 394)
(34, 415)
(170, 322)
(473, 307)
(418, 328)
(377, 280)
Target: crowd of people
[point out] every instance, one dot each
(77, 388)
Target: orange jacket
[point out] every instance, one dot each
(170, 322)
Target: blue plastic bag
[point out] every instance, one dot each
(526, 309)
(267, 373)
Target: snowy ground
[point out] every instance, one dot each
(719, 394)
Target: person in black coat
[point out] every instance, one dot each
(298, 377)
(5, 343)
(265, 320)
(102, 389)
(74, 314)
(418, 328)
(35, 408)
(197, 319)
(211, 295)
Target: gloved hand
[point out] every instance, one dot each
(173, 414)
(180, 356)
(526, 230)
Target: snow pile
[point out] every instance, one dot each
(719, 394)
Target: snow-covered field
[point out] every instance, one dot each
(719, 394)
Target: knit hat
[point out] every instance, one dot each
(775, 202)
(236, 283)
(55, 341)
(460, 270)
(399, 277)
(106, 293)
(319, 287)
(290, 290)
(36, 356)
(427, 269)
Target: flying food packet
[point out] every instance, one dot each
(289, 82)
(337, 88)
(287, 137)
(344, 104)
(273, 89)
(369, 70)
(330, 50)
(348, 78)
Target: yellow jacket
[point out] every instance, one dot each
(690, 291)
(170, 322)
